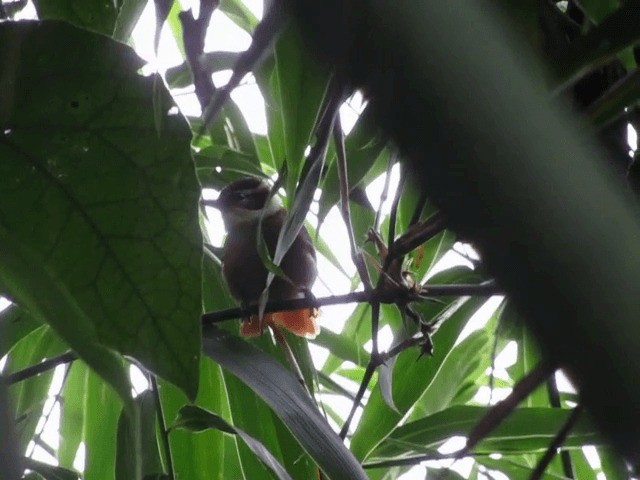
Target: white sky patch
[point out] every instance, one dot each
(564, 385)
(484, 394)
(385, 337)
(375, 188)
(452, 445)
(591, 453)
(138, 380)
(479, 319)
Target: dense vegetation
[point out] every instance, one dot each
(508, 122)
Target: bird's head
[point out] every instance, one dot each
(241, 202)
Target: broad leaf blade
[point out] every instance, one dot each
(15, 324)
(100, 214)
(96, 15)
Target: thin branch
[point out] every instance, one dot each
(416, 460)
(356, 256)
(554, 400)
(393, 215)
(264, 36)
(40, 368)
(419, 234)
(164, 433)
(385, 191)
(193, 35)
(486, 289)
(368, 373)
(501, 410)
(559, 439)
(291, 358)
(417, 213)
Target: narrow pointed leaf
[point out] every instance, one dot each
(198, 419)
(282, 392)
(142, 430)
(525, 430)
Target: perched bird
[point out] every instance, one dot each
(241, 204)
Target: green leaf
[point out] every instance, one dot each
(342, 346)
(219, 165)
(616, 32)
(293, 86)
(28, 396)
(411, 378)
(525, 430)
(113, 261)
(237, 12)
(72, 414)
(13, 468)
(132, 458)
(50, 472)
(598, 10)
(356, 327)
(197, 419)
(208, 455)
(517, 469)
(101, 409)
(128, 16)
(15, 324)
(97, 15)
(282, 392)
(363, 146)
(464, 364)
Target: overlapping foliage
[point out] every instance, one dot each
(101, 254)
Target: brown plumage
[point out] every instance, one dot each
(241, 204)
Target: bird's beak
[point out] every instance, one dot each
(211, 203)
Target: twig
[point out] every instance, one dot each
(554, 400)
(291, 358)
(486, 289)
(415, 460)
(356, 256)
(385, 190)
(393, 215)
(264, 36)
(419, 234)
(559, 439)
(422, 201)
(164, 434)
(193, 36)
(501, 410)
(368, 373)
(40, 368)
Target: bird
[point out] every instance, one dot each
(242, 204)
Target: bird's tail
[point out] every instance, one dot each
(302, 322)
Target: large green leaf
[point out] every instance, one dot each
(15, 324)
(525, 430)
(294, 86)
(97, 15)
(98, 219)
